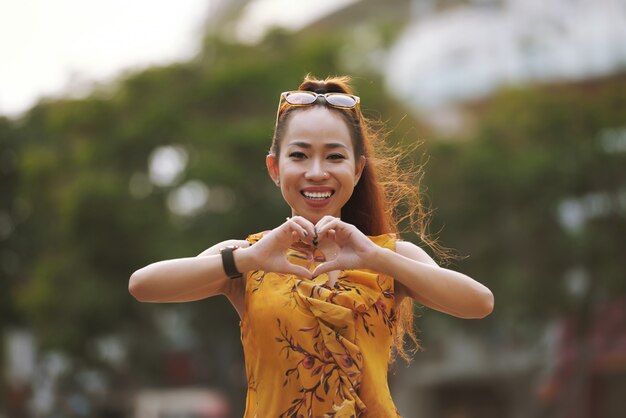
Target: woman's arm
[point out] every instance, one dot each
(419, 277)
(189, 279)
(415, 273)
(194, 278)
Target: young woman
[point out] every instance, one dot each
(324, 296)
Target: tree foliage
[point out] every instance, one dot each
(507, 192)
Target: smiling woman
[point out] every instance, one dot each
(325, 297)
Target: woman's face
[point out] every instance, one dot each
(317, 168)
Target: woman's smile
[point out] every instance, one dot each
(317, 196)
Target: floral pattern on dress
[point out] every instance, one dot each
(318, 351)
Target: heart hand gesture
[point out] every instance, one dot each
(343, 244)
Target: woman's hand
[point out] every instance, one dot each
(271, 251)
(353, 248)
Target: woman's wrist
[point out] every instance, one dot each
(379, 260)
(245, 259)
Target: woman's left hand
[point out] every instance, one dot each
(354, 249)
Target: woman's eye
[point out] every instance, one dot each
(336, 157)
(297, 155)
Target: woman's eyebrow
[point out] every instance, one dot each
(307, 145)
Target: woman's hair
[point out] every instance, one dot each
(385, 195)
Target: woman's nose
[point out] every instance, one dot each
(316, 171)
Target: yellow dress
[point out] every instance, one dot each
(316, 351)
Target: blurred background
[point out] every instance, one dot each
(132, 132)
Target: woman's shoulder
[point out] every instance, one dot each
(410, 250)
(393, 242)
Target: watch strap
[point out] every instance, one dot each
(228, 262)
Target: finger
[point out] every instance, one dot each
(297, 270)
(323, 222)
(340, 231)
(299, 230)
(328, 222)
(330, 230)
(326, 267)
(307, 227)
(328, 235)
(304, 222)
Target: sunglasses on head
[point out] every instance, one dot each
(305, 98)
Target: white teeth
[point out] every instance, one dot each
(317, 195)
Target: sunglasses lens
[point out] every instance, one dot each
(300, 98)
(341, 100)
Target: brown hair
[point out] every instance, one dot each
(382, 191)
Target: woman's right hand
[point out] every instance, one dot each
(271, 250)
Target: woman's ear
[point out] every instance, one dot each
(272, 168)
(360, 166)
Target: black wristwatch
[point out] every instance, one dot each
(228, 261)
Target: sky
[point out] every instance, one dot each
(51, 48)
(261, 14)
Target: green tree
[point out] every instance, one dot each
(536, 198)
